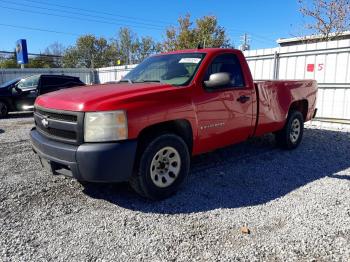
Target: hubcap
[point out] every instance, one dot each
(165, 167)
(295, 130)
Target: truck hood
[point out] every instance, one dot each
(96, 97)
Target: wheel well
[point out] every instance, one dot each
(179, 127)
(7, 103)
(301, 106)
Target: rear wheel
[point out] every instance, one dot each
(3, 110)
(292, 133)
(163, 166)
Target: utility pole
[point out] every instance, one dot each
(245, 43)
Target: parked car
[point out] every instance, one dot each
(20, 94)
(170, 107)
(10, 83)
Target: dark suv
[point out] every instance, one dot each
(20, 94)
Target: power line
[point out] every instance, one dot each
(100, 12)
(261, 39)
(32, 54)
(75, 18)
(145, 25)
(38, 29)
(253, 35)
(79, 13)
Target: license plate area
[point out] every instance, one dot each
(55, 168)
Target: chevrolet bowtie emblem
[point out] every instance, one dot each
(45, 122)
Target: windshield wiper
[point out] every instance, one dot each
(149, 80)
(126, 80)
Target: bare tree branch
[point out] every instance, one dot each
(329, 18)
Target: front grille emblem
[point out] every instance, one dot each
(45, 122)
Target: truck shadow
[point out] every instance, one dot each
(248, 174)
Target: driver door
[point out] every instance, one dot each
(25, 92)
(224, 114)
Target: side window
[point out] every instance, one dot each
(227, 63)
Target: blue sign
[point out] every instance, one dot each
(21, 51)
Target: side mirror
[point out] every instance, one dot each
(16, 90)
(218, 80)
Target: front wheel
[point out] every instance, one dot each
(3, 110)
(292, 133)
(163, 166)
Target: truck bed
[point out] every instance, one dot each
(276, 97)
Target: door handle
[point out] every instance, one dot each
(243, 99)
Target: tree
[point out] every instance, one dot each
(328, 18)
(132, 49)
(55, 49)
(145, 47)
(9, 61)
(206, 32)
(126, 45)
(90, 52)
(41, 62)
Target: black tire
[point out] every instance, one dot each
(3, 110)
(144, 182)
(290, 136)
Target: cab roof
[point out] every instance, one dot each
(203, 50)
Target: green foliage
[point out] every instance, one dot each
(10, 61)
(146, 47)
(206, 32)
(8, 64)
(90, 52)
(132, 49)
(41, 62)
(126, 45)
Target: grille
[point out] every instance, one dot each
(71, 135)
(57, 116)
(58, 125)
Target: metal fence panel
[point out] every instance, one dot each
(326, 62)
(113, 73)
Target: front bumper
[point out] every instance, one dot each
(91, 162)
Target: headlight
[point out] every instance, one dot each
(105, 126)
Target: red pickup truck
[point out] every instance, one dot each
(172, 106)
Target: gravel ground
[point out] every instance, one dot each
(295, 203)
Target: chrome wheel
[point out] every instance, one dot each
(295, 130)
(165, 167)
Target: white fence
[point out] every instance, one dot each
(85, 75)
(327, 62)
(114, 73)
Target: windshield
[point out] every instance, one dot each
(174, 69)
(29, 82)
(8, 83)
